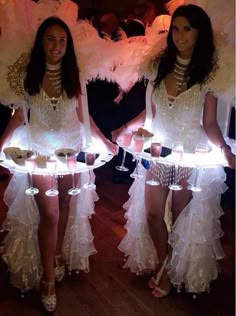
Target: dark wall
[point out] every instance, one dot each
(120, 6)
(106, 4)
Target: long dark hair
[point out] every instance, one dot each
(203, 60)
(37, 64)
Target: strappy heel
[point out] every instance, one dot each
(59, 269)
(154, 282)
(48, 296)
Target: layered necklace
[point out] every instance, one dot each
(54, 75)
(181, 66)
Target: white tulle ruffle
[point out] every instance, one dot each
(141, 255)
(194, 238)
(20, 247)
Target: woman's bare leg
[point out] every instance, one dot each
(180, 199)
(155, 200)
(47, 230)
(64, 184)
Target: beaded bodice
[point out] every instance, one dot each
(180, 119)
(54, 123)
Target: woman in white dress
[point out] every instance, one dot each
(181, 76)
(51, 89)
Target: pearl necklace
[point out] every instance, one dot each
(54, 75)
(179, 72)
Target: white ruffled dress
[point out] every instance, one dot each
(50, 128)
(195, 236)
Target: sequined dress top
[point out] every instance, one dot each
(179, 120)
(54, 123)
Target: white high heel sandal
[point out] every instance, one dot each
(49, 300)
(154, 282)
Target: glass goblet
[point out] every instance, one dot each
(51, 164)
(177, 152)
(200, 159)
(30, 164)
(137, 147)
(126, 140)
(90, 158)
(71, 162)
(155, 151)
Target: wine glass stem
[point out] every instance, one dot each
(73, 179)
(123, 159)
(137, 163)
(30, 180)
(176, 174)
(200, 173)
(90, 176)
(52, 181)
(153, 162)
(196, 178)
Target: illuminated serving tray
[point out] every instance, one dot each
(211, 159)
(61, 168)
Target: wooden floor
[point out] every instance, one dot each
(109, 290)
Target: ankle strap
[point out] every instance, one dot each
(57, 259)
(58, 256)
(160, 272)
(48, 285)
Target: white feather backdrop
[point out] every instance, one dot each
(120, 61)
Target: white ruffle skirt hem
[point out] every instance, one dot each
(194, 238)
(20, 248)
